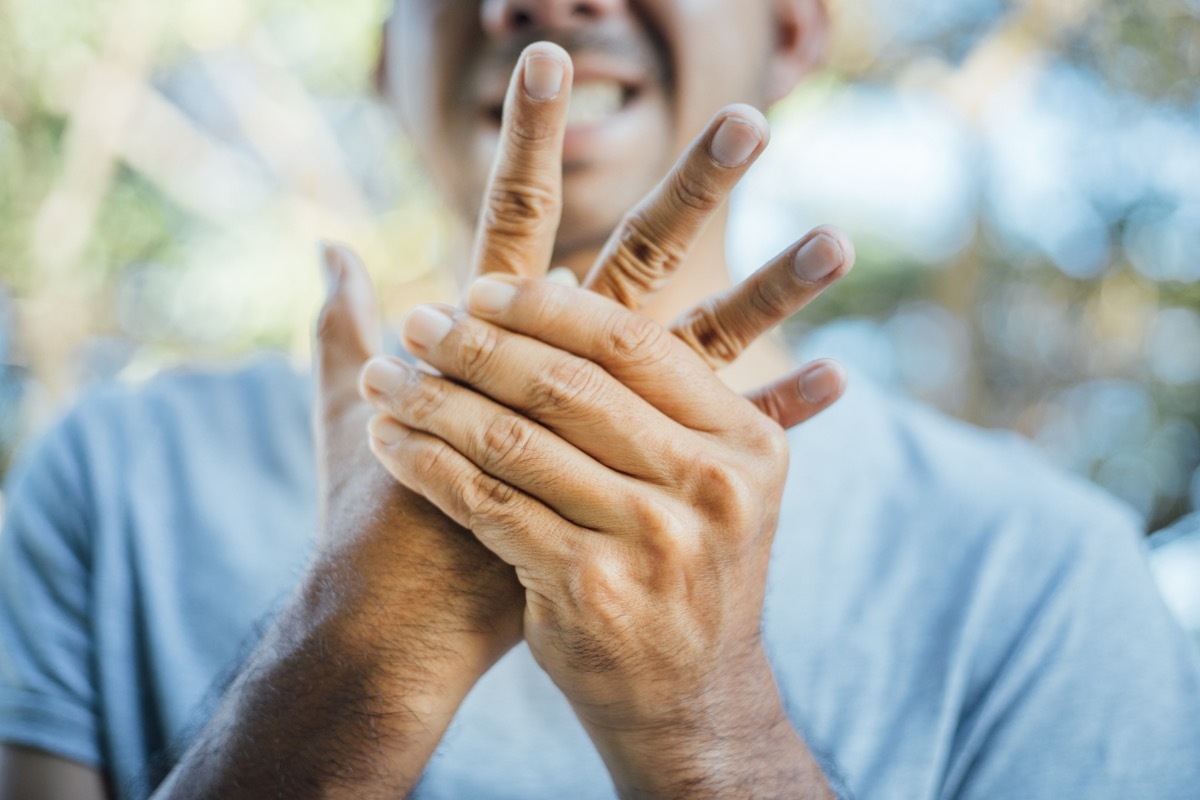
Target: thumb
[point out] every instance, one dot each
(348, 331)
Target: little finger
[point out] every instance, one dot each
(803, 394)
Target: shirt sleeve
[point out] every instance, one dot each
(47, 693)
(1099, 695)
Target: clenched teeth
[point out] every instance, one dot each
(593, 102)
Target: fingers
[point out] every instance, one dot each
(348, 329)
(653, 239)
(503, 444)
(518, 529)
(573, 397)
(523, 202)
(802, 395)
(723, 326)
(637, 352)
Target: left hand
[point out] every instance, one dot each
(635, 494)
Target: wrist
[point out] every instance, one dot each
(733, 744)
(396, 636)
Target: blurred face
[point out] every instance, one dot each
(648, 76)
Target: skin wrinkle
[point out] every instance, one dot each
(642, 263)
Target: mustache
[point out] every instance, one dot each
(627, 45)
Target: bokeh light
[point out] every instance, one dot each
(1021, 177)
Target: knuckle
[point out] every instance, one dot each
(638, 339)
(656, 522)
(477, 346)
(641, 261)
(695, 191)
(769, 300)
(431, 459)
(426, 396)
(767, 440)
(530, 131)
(705, 332)
(507, 439)
(520, 207)
(569, 382)
(771, 403)
(599, 582)
(488, 500)
(714, 476)
(720, 490)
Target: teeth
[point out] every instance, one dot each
(593, 102)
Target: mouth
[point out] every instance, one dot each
(593, 102)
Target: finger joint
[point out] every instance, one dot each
(477, 347)
(520, 209)
(424, 399)
(705, 332)
(488, 500)
(568, 383)
(507, 440)
(695, 192)
(636, 339)
(641, 262)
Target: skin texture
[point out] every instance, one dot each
(33, 775)
(402, 609)
(644, 571)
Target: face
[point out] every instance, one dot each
(648, 75)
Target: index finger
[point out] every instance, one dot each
(523, 203)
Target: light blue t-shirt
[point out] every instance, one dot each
(947, 616)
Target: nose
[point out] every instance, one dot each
(502, 18)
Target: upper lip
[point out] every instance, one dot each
(588, 67)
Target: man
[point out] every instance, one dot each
(928, 630)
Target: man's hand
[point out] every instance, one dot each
(637, 498)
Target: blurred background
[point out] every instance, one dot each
(1022, 178)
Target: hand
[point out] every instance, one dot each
(634, 493)
(515, 236)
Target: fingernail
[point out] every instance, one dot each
(564, 276)
(820, 383)
(490, 296)
(543, 77)
(426, 327)
(818, 258)
(384, 376)
(734, 142)
(385, 430)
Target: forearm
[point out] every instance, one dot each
(334, 703)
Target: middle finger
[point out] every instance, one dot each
(652, 241)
